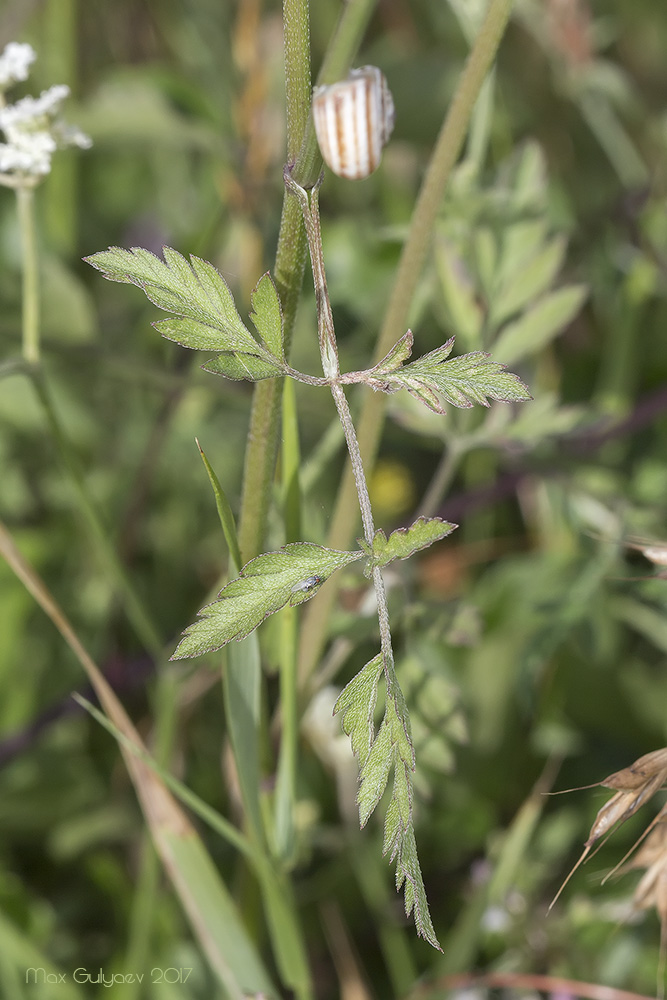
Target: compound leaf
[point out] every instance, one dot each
(403, 542)
(470, 378)
(265, 584)
(206, 317)
(391, 748)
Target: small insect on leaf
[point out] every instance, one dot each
(303, 590)
(307, 584)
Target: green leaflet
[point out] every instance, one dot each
(267, 315)
(409, 873)
(267, 583)
(463, 381)
(239, 366)
(403, 542)
(391, 746)
(399, 353)
(206, 317)
(357, 703)
(532, 277)
(378, 754)
(543, 321)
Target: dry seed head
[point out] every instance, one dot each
(654, 846)
(644, 769)
(636, 784)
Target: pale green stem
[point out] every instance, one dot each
(25, 197)
(445, 154)
(329, 355)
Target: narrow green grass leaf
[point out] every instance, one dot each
(24, 967)
(284, 835)
(201, 891)
(207, 901)
(242, 681)
(281, 911)
(404, 542)
(287, 936)
(224, 512)
(266, 584)
(290, 463)
(267, 316)
(203, 810)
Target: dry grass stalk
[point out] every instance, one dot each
(634, 786)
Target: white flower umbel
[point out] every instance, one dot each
(33, 131)
(15, 63)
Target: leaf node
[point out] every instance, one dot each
(403, 542)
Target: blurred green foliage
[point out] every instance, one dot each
(525, 645)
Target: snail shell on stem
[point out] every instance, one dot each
(353, 121)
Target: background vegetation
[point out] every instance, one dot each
(526, 653)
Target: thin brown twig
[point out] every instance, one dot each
(527, 981)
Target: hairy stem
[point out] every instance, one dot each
(291, 253)
(356, 463)
(290, 261)
(445, 154)
(328, 350)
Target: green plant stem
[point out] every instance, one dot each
(329, 354)
(289, 266)
(413, 256)
(291, 252)
(366, 517)
(286, 773)
(25, 197)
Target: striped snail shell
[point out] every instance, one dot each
(353, 121)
